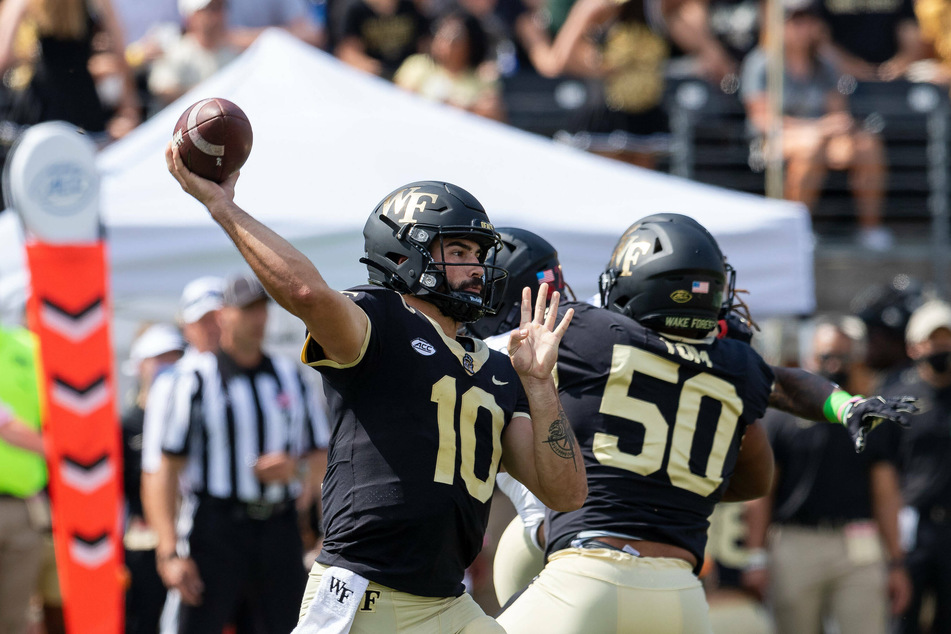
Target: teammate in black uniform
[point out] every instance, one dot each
(421, 418)
(530, 262)
(665, 414)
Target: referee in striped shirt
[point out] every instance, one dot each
(239, 423)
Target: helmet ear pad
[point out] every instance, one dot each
(668, 273)
(400, 232)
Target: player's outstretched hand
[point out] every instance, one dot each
(865, 414)
(533, 348)
(206, 191)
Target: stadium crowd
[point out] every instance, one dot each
(120, 61)
(107, 65)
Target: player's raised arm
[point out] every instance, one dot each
(816, 398)
(338, 325)
(544, 457)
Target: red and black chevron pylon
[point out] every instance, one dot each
(69, 312)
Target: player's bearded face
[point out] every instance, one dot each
(463, 269)
(471, 285)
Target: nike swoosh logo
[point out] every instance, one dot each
(497, 382)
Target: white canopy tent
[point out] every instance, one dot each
(331, 142)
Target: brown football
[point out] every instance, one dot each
(214, 138)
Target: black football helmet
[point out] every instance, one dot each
(400, 232)
(668, 273)
(529, 260)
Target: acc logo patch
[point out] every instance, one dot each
(681, 297)
(423, 347)
(63, 188)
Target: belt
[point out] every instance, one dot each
(822, 525)
(638, 548)
(256, 511)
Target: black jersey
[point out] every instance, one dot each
(659, 421)
(415, 445)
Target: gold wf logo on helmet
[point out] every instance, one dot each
(407, 202)
(627, 254)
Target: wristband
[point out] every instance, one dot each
(834, 406)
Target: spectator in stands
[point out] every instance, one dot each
(452, 72)
(377, 36)
(818, 133)
(934, 19)
(623, 117)
(498, 18)
(62, 87)
(713, 37)
(688, 26)
(834, 547)
(200, 52)
(247, 18)
(872, 40)
(150, 27)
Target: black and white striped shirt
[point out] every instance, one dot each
(223, 417)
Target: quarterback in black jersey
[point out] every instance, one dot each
(665, 414)
(421, 419)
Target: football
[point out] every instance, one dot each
(214, 138)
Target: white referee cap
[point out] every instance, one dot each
(200, 297)
(156, 340)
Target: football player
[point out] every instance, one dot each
(666, 417)
(421, 419)
(530, 261)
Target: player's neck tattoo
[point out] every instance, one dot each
(561, 439)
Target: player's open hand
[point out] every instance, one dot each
(533, 348)
(206, 191)
(865, 414)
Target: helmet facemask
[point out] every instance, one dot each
(460, 303)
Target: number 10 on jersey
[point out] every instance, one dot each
(445, 397)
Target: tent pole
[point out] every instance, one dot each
(774, 86)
